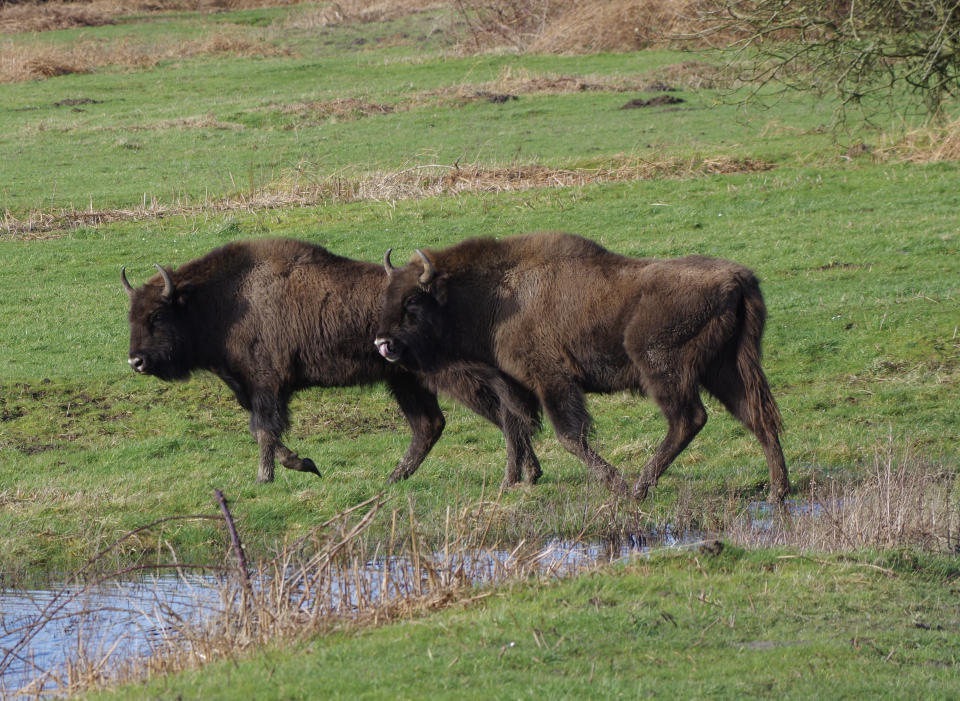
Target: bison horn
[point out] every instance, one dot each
(128, 288)
(387, 265)
(428, 271)
(167, 282)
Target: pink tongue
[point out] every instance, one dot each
(382, 347)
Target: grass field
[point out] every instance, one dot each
(361, 137)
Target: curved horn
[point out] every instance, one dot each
(387, 265)
(127, 287)
(167, 282)
(428, 271)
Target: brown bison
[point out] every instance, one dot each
(562, 316)
(271, 317)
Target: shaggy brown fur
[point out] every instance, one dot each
(270, 317)
(563, 316)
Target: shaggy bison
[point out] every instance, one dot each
(271, 317)
(563, 316)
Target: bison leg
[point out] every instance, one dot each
(567, 411)
(419, 406)
(501, 403)
(685, 417)
(268, 420)
(727, 385)
(268, 447)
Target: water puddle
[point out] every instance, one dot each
(48, 635)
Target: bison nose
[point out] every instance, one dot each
(137, 362)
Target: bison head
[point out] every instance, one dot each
(411, 321)
(160, 340)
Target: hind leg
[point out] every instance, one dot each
(567, 410)
(685, 417)
(726, 385)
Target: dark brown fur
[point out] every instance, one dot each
(270, 317)
(563, 316)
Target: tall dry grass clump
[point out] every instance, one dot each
(929, 144)
(903, 502)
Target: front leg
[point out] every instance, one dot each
(422, 411)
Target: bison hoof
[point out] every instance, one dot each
(640, 492)
(308, 465)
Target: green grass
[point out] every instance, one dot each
(760, 625)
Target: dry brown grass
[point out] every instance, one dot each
(416, 182)
(938, 142)
(28, 17)
(47, 16)
(20, 62)
(904, 502)
(358, 11)
(584, 26)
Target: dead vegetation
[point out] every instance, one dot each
(22, 17)
(902, 503)
(358, 11)
(932, 143)
(582, 26)
(415, 182)
(31, 62)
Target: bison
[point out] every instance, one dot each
(271, 317)
(563, 316)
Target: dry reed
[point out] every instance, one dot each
(903, 502)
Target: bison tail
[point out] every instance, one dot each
(761, 406)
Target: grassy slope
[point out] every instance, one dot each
(760, 625)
